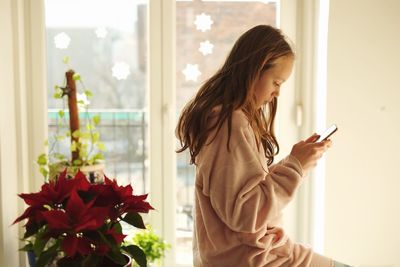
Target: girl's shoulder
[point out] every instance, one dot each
(239, 118)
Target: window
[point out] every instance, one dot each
(96, 35)
(205, 33)
(99, 37)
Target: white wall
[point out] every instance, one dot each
(363, 177)
(22, 116)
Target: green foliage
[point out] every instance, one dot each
(152, 245)
(86, 140)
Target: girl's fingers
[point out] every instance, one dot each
(312, 138)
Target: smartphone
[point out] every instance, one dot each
(331, 130)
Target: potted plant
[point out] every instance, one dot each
(153, 246)
(77, 223)
(85, 147)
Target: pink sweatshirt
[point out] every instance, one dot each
(239, 203)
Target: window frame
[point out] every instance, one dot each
(293, 17)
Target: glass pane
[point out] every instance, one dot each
(206, 31)
(106, 44)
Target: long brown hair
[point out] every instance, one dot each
(231, 87)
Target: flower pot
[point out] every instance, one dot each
(108, 263)
(31, 258)
(94, 173)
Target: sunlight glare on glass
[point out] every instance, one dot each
(92, 14)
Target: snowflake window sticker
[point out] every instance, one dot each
(206, 48)
(203, 22)
(62, 40)
(101, 32)
(191, 72)
(120, 70)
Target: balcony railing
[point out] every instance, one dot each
(124, 133)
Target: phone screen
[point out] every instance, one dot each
(333, 128)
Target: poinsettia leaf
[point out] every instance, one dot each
(137, 254)
(68, 262)
(31, 229)
(116, 256)
(118, 228)
(40, 243)
(27, 247)
(91, 260)
(134, 219)
(47, 256)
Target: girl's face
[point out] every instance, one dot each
(269, 84)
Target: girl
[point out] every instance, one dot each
(229, 130)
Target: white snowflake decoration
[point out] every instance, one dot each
(83, 101)
(101, 32)
(191, 72)
(62, 40)
(120, 70)
(203, 22)
(206, 48)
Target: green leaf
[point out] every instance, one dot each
(57, 95)
(66, 59)
(137, 254)
(59, 156)
(60, 137)
(76, 133)
(116, 256)
(61, 113)
(88, 93)
(95, 137)
(68, 262)
(77, 162)
(91, 260)
(98, 156)
(101, 146)
(42, 159)
(40, 243)
(85, 135)
(76, 77)
(56, 87)
(27, 247)
(96, 119)
(89, 126)
(47, 255)
(44, 171)
(31, 229)
(134, 219)
(81, 102)
(83, 153)
(73, 146)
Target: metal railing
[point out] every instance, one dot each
(124, 134)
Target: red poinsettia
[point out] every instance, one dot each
(79, 222)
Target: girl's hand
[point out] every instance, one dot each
(308, 153)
